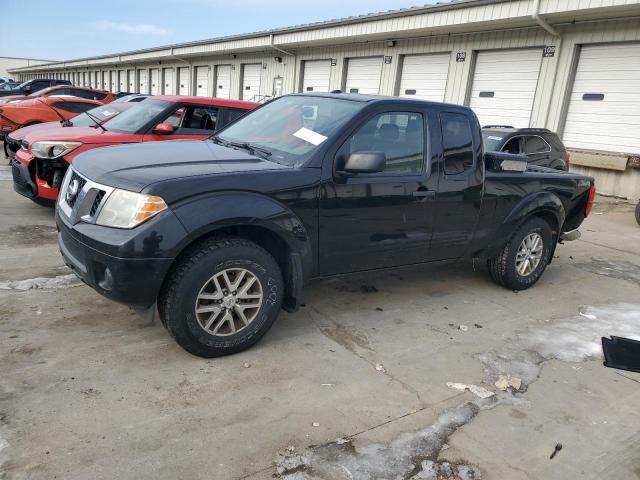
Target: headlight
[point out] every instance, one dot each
(124, 209)
(53, 149)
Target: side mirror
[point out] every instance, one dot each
(505, 162)
(163, 129)
(365, 162)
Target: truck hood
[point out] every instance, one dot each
(88, 135)
(134, 167)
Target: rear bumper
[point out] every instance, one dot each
(134, 281)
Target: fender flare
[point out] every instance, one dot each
(538, 203)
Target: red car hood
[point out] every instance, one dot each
(86, 135)
(7, 99)
(37, 128)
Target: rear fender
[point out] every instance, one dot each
(544, 204)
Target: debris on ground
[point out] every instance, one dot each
(557, 448)
(315, 424)
(368, 289)
(246, 365)
(327, 384)
(464, 328)
(59, 281)
(475, 389)
(506, 381)
(588, 315)
(380, 368)
(379, 309)
(477, 325)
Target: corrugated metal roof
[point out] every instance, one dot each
(438, 6)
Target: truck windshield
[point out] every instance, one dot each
(289, 129)
(492, 141)
(133, 119)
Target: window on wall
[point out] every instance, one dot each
(457, 142)
(399, 135)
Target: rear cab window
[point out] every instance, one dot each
(457, 142)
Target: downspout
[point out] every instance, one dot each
(541, 21)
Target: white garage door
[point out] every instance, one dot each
(122, 81)
(316, 76)
(504, 86)
(424, 76)
(167, 76)
(105, 80)
(113, 75)
(363, 75)
(251, 73)
(143, 81)
(155, 81)
(131, 86)
(184, 78)
(223, 81)
(202, 81)
(604, 107)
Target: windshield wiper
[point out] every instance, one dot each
(96, 121)
(253, 149)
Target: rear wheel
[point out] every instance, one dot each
(525, 256)
(222, 297)
(638, 213)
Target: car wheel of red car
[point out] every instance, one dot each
(525, 256)
(222, 297)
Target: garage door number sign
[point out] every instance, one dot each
(549, 51)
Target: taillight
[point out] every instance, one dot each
(592, 197)
(567, 156)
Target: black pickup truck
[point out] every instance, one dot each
(220, 234)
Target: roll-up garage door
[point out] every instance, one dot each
(316, 76)
(167, 76)
(251, 74)
(363, 75)
(604, 107)
(504, 86)
(122, 81)
(143, 81)
(131, 78)
(202, 81)
(223, 81)
(113, 75)
(184, 78)
(424, 76)
(155, 81)
(105, 80)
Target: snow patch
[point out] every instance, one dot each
(4, 445)
(59, 281)
(575, 339)
(411, 455)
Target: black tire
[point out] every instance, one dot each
(502, 267)
(177, 300)
(638, 213)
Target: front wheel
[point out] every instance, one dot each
(222, 297)
(525, 256)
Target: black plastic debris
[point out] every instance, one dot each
(621, 353)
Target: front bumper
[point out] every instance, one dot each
(22, 182)
(127, 266)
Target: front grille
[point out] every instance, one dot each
(81, 182)
(96, 202)
(13, 145)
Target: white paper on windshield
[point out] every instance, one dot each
(490, 137)
(108, 113)
(310, 136)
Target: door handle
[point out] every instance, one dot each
(426, 194)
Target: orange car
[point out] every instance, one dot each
(81, 92)
(42, 109)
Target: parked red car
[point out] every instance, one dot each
(102, 113)
(39, 110)
(81, 92)
(40, 164)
